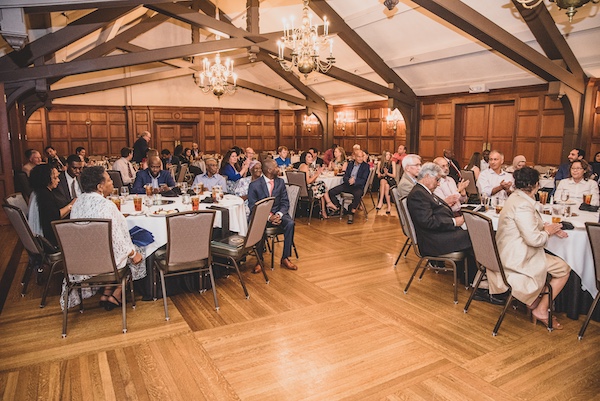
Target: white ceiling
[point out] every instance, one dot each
(429, 54)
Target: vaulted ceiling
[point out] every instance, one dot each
(419, 48)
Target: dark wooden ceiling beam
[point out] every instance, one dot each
(468, 20)
(360, 47)
(547, 34)
(52, 42)
(123, 60)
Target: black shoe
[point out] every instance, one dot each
(350, 219)
(333, 212)
(498, 299)
(482, 294)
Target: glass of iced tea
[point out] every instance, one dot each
(587, 199)
(148, 188)
(195, 203)
(543, 197)
(137, 203)
(557, 211)
(499, 205)
(117, 201)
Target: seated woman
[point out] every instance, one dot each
(229, 171)
(578, 184)
(474, 163)
(241, 189)
(282, 158)
(521, 238)
(186, 156)
(92, 204)
(595, 165)
(386, 172)
(339, 160)
(518, 162)
(44, 178)
(317, 188)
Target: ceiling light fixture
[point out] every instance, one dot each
(308, 122)
(570, 5)
(215, 78)
(305, 43)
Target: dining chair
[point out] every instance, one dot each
(189, 235)
(182, 176)
(593, 230)
(452, 258)
(346, 197)
(18, 200)
(35, 248)
(273, 232)
(115, 176)
(483, 239)
(88, 251)
(235, 247)
(403, 224)
(22, 184)
(471, 190)
(298, 178)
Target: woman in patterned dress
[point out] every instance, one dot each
(317, 187)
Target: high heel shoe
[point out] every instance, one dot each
(544, 321)
(109, 305)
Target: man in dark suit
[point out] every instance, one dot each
(354, 181)
(453, 165)
(438, 231)
(69, 187)
(161, 180)
(53, 158)
(271, 185)
(317, 161)
(140, 147)
(169, 160)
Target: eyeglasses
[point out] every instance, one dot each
(576, 168)
(414, 165)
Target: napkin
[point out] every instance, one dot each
(140, 236)
(170, 194)
(588, 208)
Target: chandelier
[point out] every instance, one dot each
(393, 119)
(215, 78)
(341, 120)
(305, 43)
(569, 5)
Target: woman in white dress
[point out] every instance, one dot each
(578, 184)
(92, 204)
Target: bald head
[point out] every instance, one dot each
(270, 169)
(443, 163)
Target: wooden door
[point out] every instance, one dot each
(486, 126)
(169, 135)
(6, 168)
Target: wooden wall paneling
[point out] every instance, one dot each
(444, 135)
(549, 152)
(472, 129)
(287, 130)
(36, 131)
(595, 120)
(209, 137)
(6, 160)
(501, 131)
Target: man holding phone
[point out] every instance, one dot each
(160, 180)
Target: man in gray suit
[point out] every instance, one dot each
(411, 164)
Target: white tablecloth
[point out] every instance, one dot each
(575, 249)
(330, 180)
(158, 227)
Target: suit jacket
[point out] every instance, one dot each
(361, 177)
(258, 190)
(140, 147)
(62, 193)
(521, 239)
(434, 224)
(405, 185)
(454, 168)
(143, 177)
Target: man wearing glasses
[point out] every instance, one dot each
(154, 175)
(411, 164)
(68, 185)
(438, 231)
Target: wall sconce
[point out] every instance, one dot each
(308, 122)
(341, 120)
(392, 120)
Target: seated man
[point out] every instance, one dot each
(160, 180)
(211, 177)
(438, 231)
(447, 190)
(53, 158)
(411, 164)
(34, 158)
(354, 181)
(169, 160)
(69, 186)
(494, 182)
(243, 184)
(271, 185)
(124, 166)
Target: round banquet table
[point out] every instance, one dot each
(157, 225)
(579, 292)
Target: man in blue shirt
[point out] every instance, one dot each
(161, 180)
(211, 178)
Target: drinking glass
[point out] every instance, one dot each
(564, 195)
(124, 192)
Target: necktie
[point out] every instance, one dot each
(130, 170)
(73, 192)
(271, 187)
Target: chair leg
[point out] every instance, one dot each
(27, 276)
(65, 310)
(455, 281)
(466, 274)
(154, 292)
(272, 252)
(237, 269)
(212, 283)
(312, 205)
(295, 250)
(501, 318)
(164, 293)
(475, 288)
(362, 202)
(550, 306)
(588, 317)
(402, 251)
(130, 280)
(261, 262)
(124, 303)
(46, 287)
(407, 249)
(413, 275)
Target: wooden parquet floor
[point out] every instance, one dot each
(338, 328)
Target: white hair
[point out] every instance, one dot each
(410, 159)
